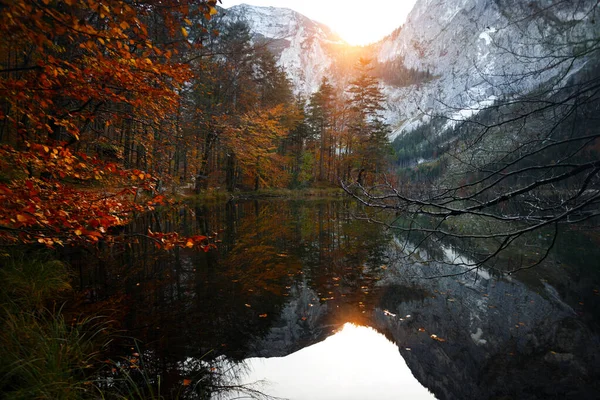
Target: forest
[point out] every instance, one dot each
(113, 109)
(144, 98)
(119, 118)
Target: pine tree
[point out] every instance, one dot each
(367, 130)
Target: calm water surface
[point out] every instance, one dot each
(319, 304)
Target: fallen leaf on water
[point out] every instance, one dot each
(439, 339)
(421, 329)
(262, 316)
(187, 382)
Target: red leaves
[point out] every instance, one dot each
(104, 66)
(170, 240)
(51, 213)
(89, 66)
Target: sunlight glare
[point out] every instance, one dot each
(357, 22)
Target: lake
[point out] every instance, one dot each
(316, 304)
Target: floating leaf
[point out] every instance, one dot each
(436, 337)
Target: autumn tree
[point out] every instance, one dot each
(294, 146)
(320, 117)
(238, 88)
(83, 83)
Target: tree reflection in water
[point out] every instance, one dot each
(287, 274)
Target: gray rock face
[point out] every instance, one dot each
(477, 50)
(304, 48)
(469, 337)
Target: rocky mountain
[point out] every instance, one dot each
(479, 51)
(304, 48)
(476, 51)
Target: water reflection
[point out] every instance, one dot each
(355, 363)
(288, 274)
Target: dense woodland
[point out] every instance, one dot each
(111, 110)
(136, 100)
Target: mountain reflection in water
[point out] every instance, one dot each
(288, 274)
(354, 363)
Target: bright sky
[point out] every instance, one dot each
(358, 22)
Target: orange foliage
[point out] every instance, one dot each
(255, 142)
(65, 64)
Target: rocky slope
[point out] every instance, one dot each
(477, 51)
(482, 50)
(304, 48)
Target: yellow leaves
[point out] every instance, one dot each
(78, 232)
(189, 243)
(22, 218)
(184, 32)
(124, 25)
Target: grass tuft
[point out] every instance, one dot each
(43, 356)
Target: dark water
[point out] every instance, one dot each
(287, 275)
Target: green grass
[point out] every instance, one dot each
(45, 354)
(31, 284)
(42, 355)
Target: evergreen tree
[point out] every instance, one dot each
(368, 132)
